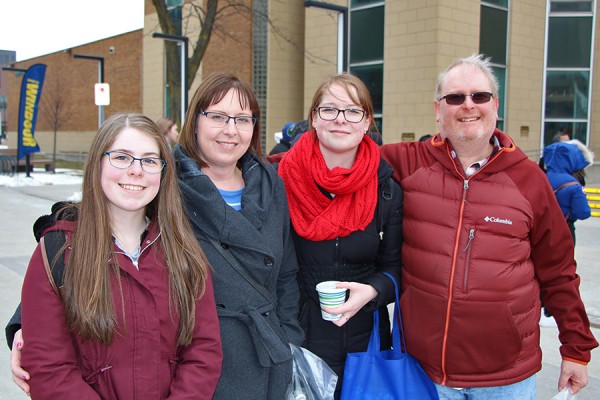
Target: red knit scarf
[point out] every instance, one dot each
(316, 217)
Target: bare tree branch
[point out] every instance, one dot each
(210, 16)
(55, 107)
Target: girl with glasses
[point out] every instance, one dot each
(346, 213)
(135, 315)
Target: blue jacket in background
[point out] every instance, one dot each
(562, 160)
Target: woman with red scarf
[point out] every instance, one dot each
(346, 212)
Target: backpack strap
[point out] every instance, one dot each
(385, 195)
(51, 243)
(564, 185)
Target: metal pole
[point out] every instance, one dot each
(340, 61)
(342, 57)
(182, 43)
(184, 78)
(100, 78)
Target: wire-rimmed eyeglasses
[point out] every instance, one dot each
(456, 99)
(218, 120)
(350, 114)
(118, 159)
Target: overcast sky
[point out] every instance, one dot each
(34, 28)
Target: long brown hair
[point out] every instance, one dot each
(165, 125)
(211, 91)
(87, 291)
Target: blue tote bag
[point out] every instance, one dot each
(386, 375)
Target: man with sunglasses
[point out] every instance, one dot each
(483, 237)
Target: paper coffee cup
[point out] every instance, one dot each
(330, 296)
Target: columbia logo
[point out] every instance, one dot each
(498, 220)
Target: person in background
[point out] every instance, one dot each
(169, 129)
(285, 142)
(238, 209)
(566, 163)
(486, 238)
(136, 315)
(346, 213)
(565, 168)
(560, 136)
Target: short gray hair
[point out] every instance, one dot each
(476, 61)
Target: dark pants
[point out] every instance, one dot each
(571, 224)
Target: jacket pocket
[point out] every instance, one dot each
(467, 251)
(423, 320)
(482, 338)
(102, 383)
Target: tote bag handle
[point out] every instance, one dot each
(397, 325)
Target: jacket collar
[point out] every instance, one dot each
(206, 208)
(508, 155)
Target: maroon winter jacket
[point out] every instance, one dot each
(143, 361)
(477, 252)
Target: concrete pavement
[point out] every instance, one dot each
(20, 206)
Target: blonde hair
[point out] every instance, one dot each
(477, 61)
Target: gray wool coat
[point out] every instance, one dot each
(256, 357)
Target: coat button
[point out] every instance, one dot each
(268, 261)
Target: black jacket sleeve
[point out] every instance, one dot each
(13, 326)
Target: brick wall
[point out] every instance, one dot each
(524, 92)
(73, 80)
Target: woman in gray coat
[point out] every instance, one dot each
(238, 210)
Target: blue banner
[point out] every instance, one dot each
(31, 91)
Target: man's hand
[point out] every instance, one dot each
(573, 373)
(20, 376)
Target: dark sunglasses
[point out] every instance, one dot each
(457, 99)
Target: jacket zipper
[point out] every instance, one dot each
(452, 272)
(452, 156)
(467, 249)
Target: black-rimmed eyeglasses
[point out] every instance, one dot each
(218, 120)
(118, 159)
(456, 99)
(350, 114)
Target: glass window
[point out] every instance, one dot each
(379, 123)
(372, 76)
(571, 6)
(358, 3)
(500, 74)
(569, 42)
(499, 3)
(567, 94)
(366, 35)
(576, 130)
(493, 34)
(174, 8)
